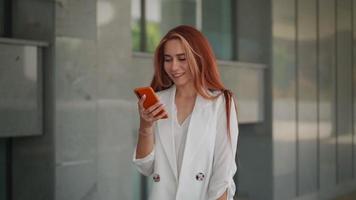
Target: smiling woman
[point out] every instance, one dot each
(190, 155)
(175, 63)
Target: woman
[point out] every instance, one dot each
(190, 155)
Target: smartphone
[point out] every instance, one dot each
(151, 97)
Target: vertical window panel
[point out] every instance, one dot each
(177, 12)
(307, 97)
(253, 30)
(136, 24)
(343, 91)
(354, 81)
(217, 27)
(5, 18)
(2, 18)
(326, 93)
(284, 99)
(146, 25)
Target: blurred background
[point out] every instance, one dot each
(68, 116)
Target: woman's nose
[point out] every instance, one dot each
(174, 64)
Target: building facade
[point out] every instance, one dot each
(68, 116)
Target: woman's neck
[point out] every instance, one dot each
(186, 91)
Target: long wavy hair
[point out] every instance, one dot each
(201, 63)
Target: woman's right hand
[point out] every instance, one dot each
(149, 116)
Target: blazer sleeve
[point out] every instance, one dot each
(224, 165)
(144, 165)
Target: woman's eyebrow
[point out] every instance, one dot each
(168, 56)
(178, 54)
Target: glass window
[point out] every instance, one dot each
(151, 19)
(2, 17)
(145, 25)
(217, 23)
(5, 18)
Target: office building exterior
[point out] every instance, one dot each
(68, 116)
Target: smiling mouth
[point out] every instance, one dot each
(177, 75)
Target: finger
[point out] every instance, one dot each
(160, 116)
(141, 110)
(154, 112)
(142, 99)
(153, 107)
(158, 110)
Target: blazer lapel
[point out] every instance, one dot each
(200, 117)
(165, 129)
(199, 121)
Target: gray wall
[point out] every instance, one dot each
(312, 79)
(75, 104)
(116, 103)
(33, 157)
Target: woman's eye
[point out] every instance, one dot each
(167, 60)
(181, 59)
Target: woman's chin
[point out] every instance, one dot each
(180, 83)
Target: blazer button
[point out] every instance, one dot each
(156, 178)
(200, 176)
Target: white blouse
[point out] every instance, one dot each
(180, 135)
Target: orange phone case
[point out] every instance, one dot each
(151, 97)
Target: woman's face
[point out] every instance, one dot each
(175, 63)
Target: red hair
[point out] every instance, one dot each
(201, 62)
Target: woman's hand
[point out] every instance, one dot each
(150, 115)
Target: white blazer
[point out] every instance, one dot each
(208, 164)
